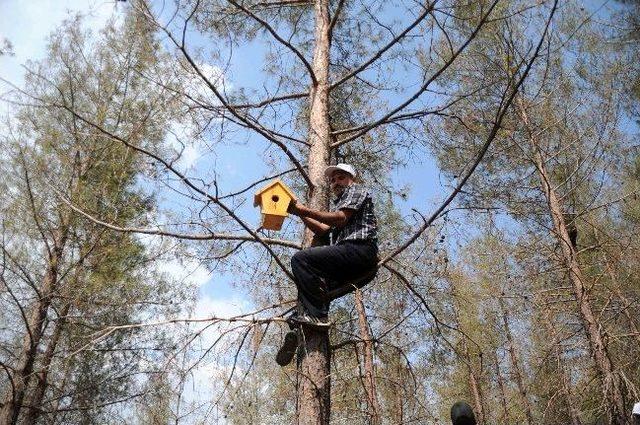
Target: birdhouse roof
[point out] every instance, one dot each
(275, 183)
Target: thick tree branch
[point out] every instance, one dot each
(159, 232)
(266, 102)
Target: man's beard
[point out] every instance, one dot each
(339, 190)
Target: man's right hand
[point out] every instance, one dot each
(293, 207)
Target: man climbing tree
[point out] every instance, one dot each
(323, 271)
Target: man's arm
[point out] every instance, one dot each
(322, 221)
(315, 226)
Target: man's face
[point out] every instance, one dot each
(339, 181)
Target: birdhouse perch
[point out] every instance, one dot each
(273, 200)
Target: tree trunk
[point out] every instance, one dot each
(369, 374)
(611, 385)
(399, 395)
(474, 386)
(35, 401)
(503, 394)
(515, 364)
(23, 371)
(564, 376)
(314, 384)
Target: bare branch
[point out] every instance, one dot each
(277, 37)
(414, 114)
(504, 107)
(277, 4)
(335, 17)
(257, 183)
(424, 87)
(392, 43)
(187, 236)
(269, 101)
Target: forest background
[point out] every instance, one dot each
(499, 137)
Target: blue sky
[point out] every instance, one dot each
(239, 164)
(28, 24)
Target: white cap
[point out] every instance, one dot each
(343, 167)
(636, 409)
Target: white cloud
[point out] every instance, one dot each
(28, 24)
(199, 89)
(181, 138)
(189, 272)
(190, 155)
(221, 307)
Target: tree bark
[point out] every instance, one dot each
(42, 376)
(474, 381)
(474, 386)
(369, 370)
(314, 383)
(23, 371)
(611, 384)
(399, 394)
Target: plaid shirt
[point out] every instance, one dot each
(363, 224)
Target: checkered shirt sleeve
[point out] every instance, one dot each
(363, 224)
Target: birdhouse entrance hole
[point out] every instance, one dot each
(275, 198)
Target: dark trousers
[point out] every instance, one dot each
(320, 269)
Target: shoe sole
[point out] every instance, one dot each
(321, 325)
(288, 350)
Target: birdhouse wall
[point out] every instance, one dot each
(275, 201)
(272, 222)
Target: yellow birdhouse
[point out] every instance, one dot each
(273, 200)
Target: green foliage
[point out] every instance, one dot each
(55, 158)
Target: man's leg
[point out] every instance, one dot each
(310, 279)
(363, 261)
(314, 267)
